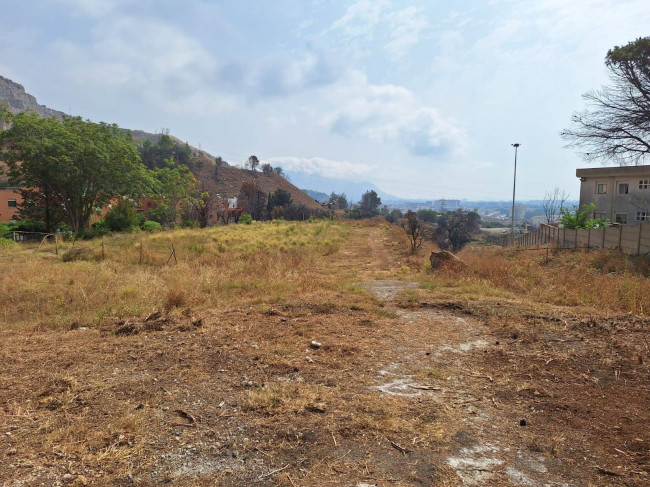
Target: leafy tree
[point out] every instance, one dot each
(80, 165)
(617, 128)
(122, 216)
(455, 229)
(175, 186)
(253, 162)
(340, 200)
(5, 115)
(429, 216)
(154, 155)
(280, 172)
(394, 216)
(369, 204)
(580, 218)
(413, 229)
(553, 203)
(281, 197)
(267, 169)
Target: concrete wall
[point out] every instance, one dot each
(631, 238)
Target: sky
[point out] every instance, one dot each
(421, 98)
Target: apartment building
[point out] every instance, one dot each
(619, 194)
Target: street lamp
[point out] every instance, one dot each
(514, 185)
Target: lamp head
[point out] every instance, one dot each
(515, 145)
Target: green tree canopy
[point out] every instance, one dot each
(175, 185)
(369, 204)
(77, 165)
(281, 197)
(580, 218)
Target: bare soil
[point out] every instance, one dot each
(402, 389)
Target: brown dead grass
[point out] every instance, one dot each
(225, 388)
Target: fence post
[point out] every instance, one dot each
(589, 238)
(638, 241)
(620, 236)
(604, 232)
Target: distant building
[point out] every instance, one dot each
(520, 212)
(619, 194)
(446, 205)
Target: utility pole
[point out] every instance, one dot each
(514, 185)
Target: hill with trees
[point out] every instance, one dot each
(215, 177)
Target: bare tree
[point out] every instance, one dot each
(617, 127)
(553, 202)
(413, 229)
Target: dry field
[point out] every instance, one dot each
(309, 354)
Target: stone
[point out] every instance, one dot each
(445, 258)
(315, 345)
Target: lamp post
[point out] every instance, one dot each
(514, 185)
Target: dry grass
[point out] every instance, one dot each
(221, 385)
(220, 267)
(605, 280)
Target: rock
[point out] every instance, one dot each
(444, 259)
(315, 345)
(310, 360)
(67, 478)
(20, 101)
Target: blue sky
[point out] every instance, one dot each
(421, 98)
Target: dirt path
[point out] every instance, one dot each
(346, 388)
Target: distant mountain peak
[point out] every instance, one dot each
(19, 100)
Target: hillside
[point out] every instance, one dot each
(230, 179)
(19, 100)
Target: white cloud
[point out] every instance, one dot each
(405, 27)
(366, 20)
(393, 114)
(94, 8)
(323, 167)
(361, 18)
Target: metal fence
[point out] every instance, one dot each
(631, 238)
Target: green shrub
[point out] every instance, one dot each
(4, 230)
(99, 228)
(122, 217)
(246, 218)
(150, 226)
(6, 243)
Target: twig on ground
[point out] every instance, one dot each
(273, 472)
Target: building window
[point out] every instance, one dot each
(148, 204)
(642, 216)
(644, 183)
(601, 215)
(621, 218)
(623, 188)
(601, 188)
(12, 203)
